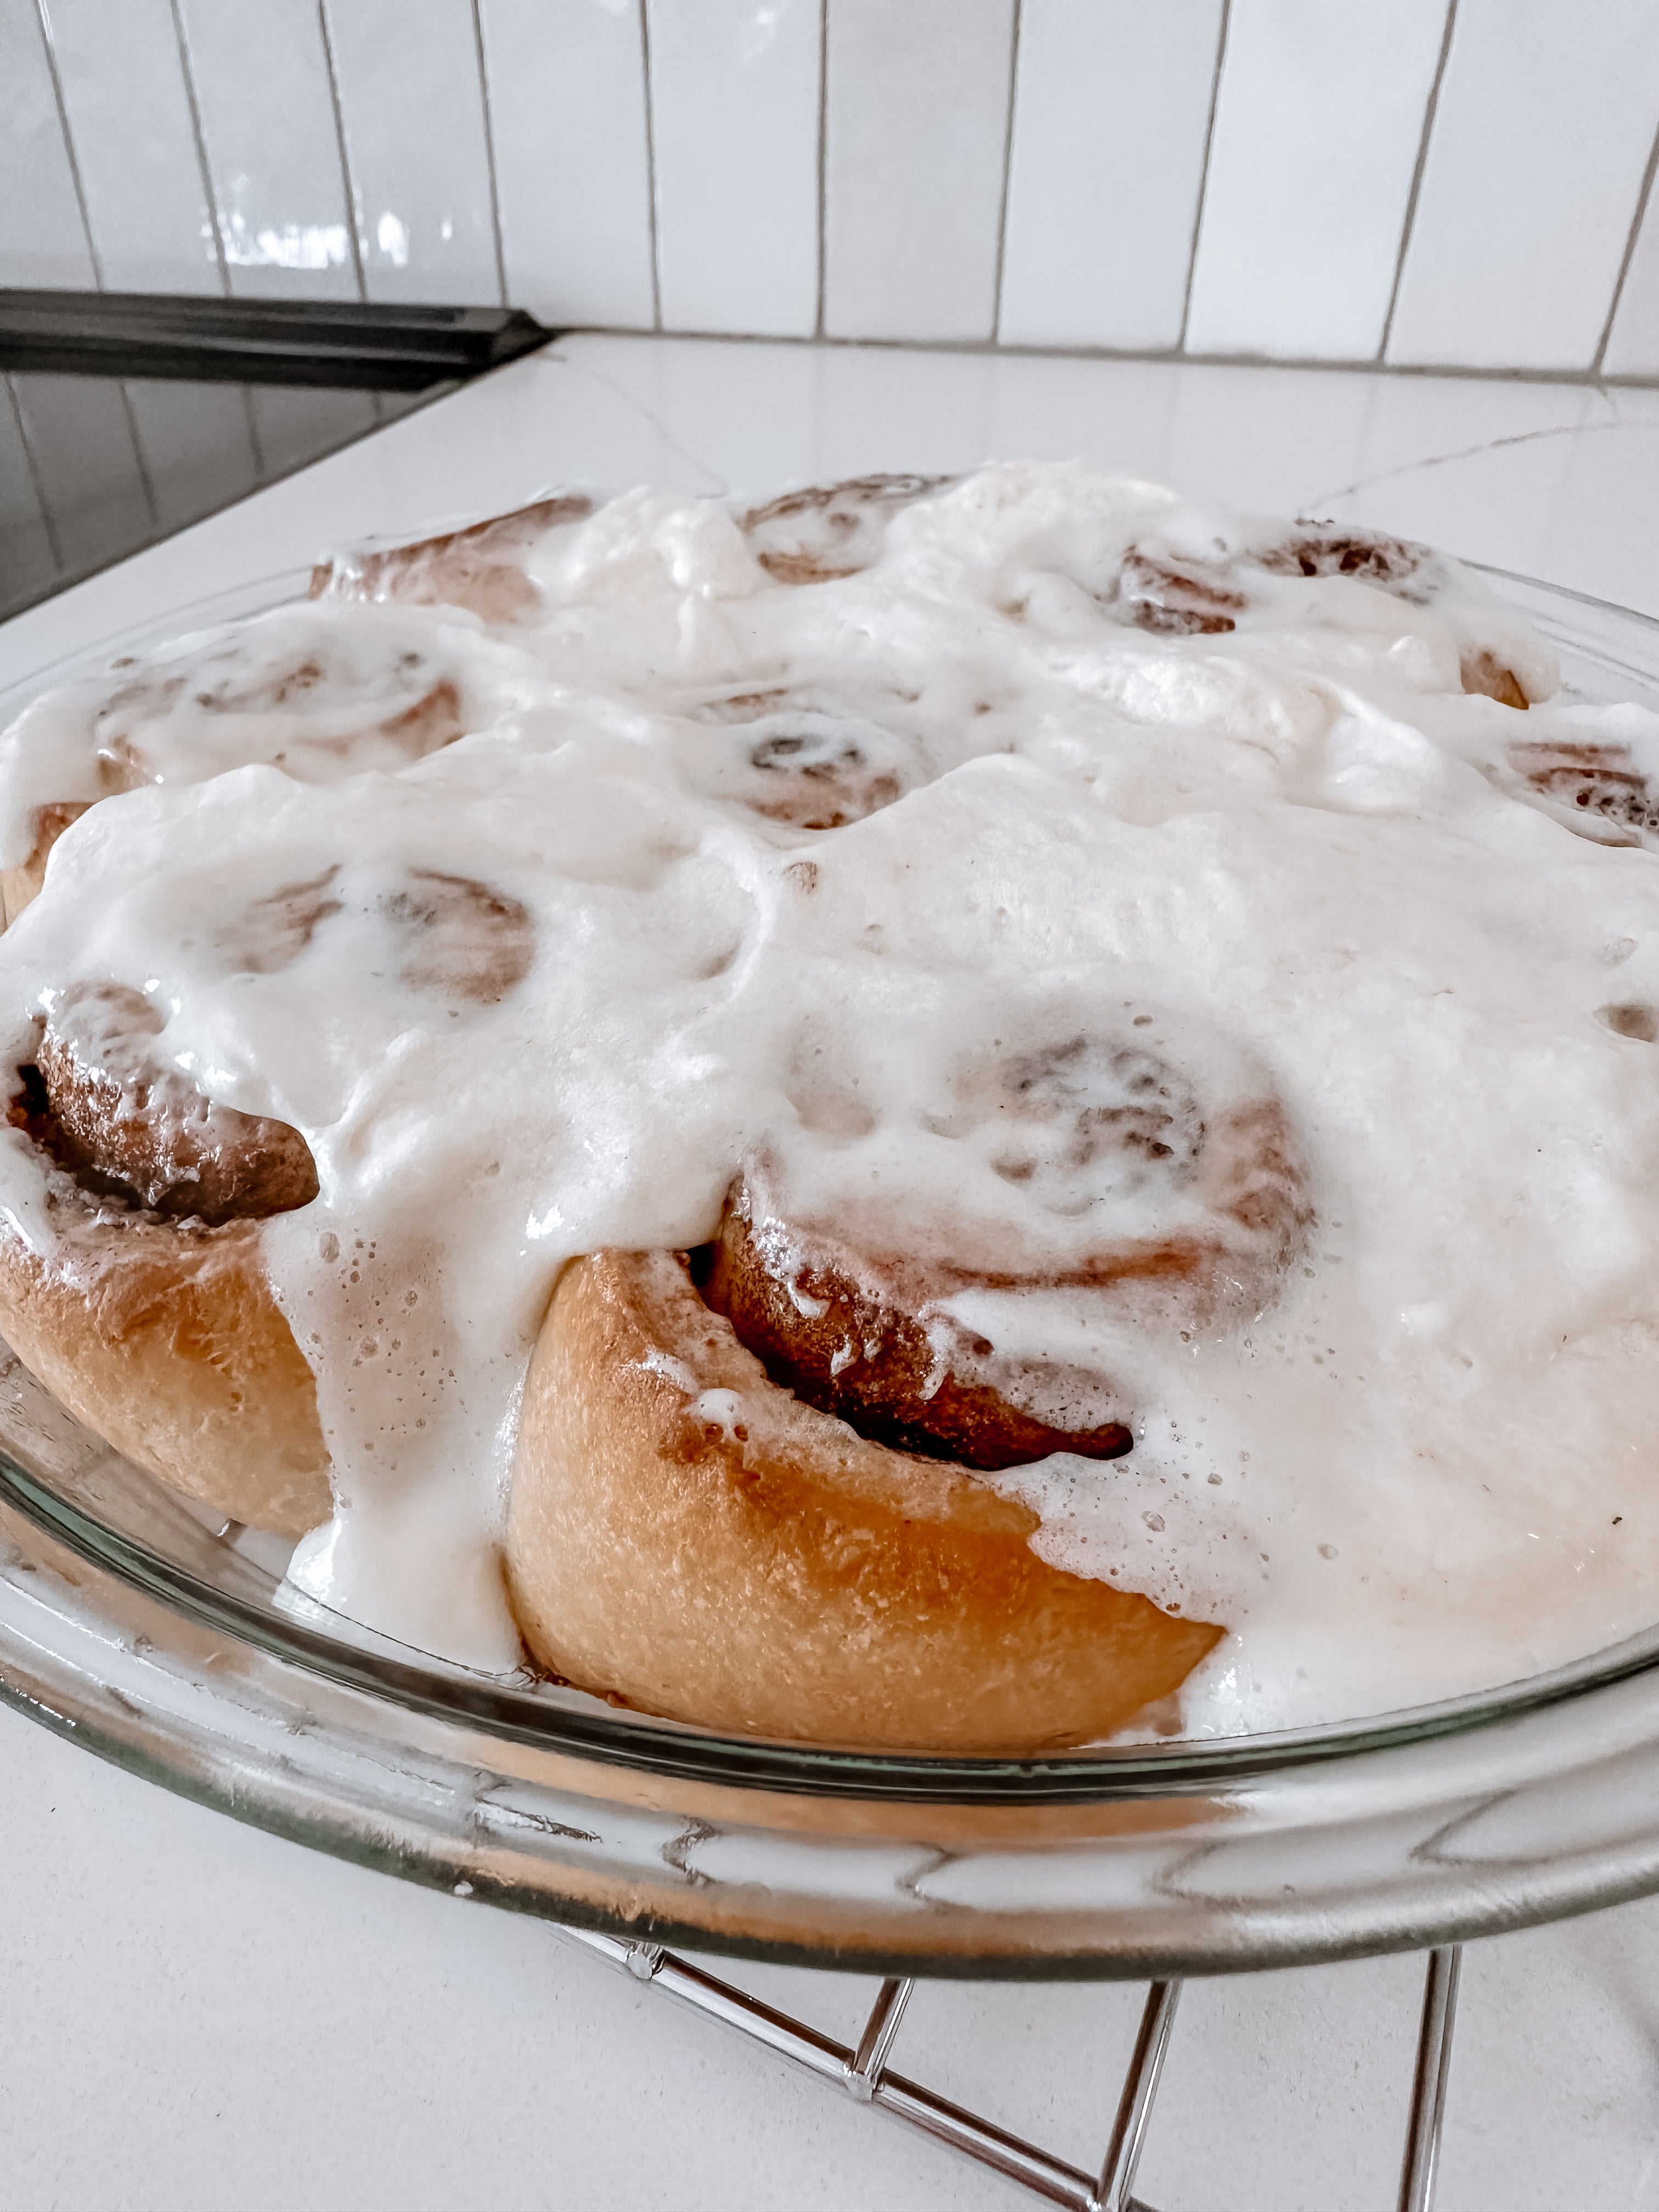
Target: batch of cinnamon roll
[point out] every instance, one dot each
(973, 1116)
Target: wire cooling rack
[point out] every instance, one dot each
(862, 2073)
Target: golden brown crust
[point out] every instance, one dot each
(1485, 673)
(164, 1340)
(687, 1537)
(19, 885)
(160, 1334)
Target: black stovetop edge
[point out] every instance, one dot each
(321, 342)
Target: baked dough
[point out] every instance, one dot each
(140, 1298)
(687, 1537)
(162, 1338)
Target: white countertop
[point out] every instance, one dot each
(194, 2015)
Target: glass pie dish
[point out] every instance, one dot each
(164, 1639)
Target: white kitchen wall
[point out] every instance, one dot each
(1292, 257)
(1421, 183)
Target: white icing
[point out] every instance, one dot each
(1297, 848)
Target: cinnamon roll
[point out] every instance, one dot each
(749, 1487)
(485, 568)
(827, 532)
(1189, 590)
(688, 1537)
(133, 1286)
(316, 693)
(954, 1116)
(1601, 791)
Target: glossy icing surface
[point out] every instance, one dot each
(911, 844)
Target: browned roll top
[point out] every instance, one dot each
(98, 1101)
(803, 1309)
(856, 1325)
(826, 531)
(1175, 598)
(483, 567)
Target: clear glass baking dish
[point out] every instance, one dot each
(133, 1623)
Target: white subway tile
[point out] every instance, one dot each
(1318, 128)
(129, 114)
(412, 106)
(917, 109)
(1633, 342)
(1546, 120)
(42, 238)
(1111, 108)
(734, 106)
(567, 98)
(262, 84)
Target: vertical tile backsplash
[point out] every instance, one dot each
(1111, 115)
(1457, 183)
(420, 199)
(122, 75)
(265, 94)
(1318, 125)
(916, 114)
(566, 85)
(1545, 123)
(734, 107)
(43, 239)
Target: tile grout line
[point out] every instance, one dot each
(651, 165)
(210, 192)
(43, 20)
(146, 483)
(489, 150)
(210, 196)
(347, 187)
(33, 465)
(824, 152)
(1007, 171)
(1643, 197)
(1160, 356)
(1204, 172)
(1430, 109)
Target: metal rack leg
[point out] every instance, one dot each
(1434, 2047)
(864, 2067)
(1134, 2109)
(863, 2074)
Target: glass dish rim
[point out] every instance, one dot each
(499, 1709)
